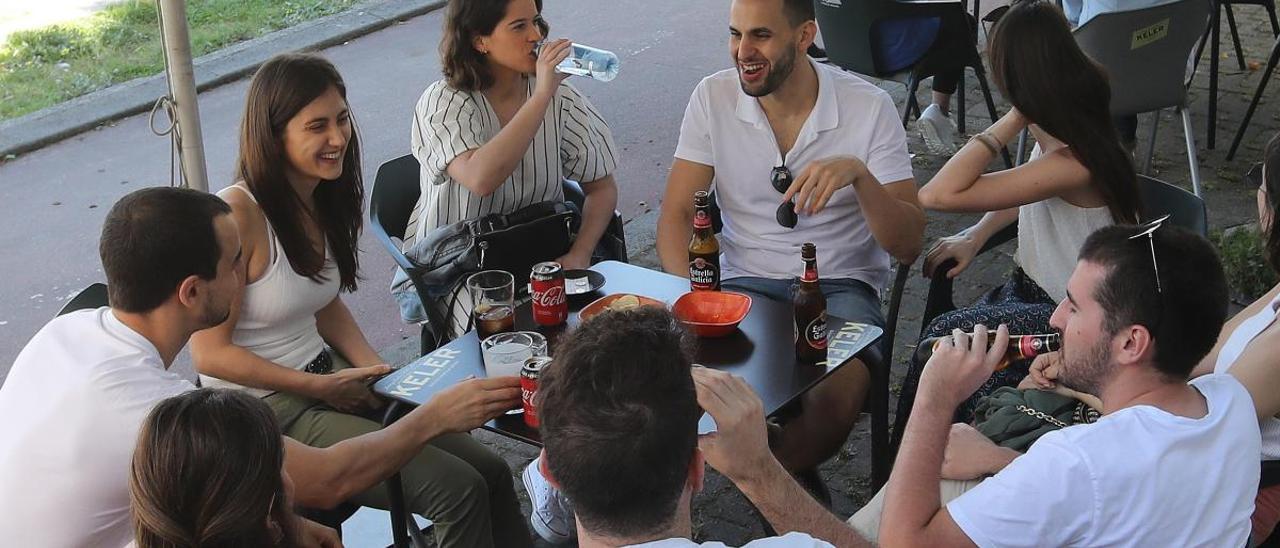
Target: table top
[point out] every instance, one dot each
(761, 351)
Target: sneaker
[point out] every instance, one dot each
(552, 516)
(937, 130)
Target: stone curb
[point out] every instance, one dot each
(83, 113)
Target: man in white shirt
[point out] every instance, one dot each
(77, 394)
(1170, 463)
(796, 152)
(619, 413)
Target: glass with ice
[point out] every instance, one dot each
(505, 353)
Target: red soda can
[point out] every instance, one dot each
(529, 374)
(549, 304)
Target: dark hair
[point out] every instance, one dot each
(1039, 68)
(464, 68)
(282, 87)
(1185, 314)
(1271, 180)
(619, 420)
(799, 11)
(153, 239)
(206, 472)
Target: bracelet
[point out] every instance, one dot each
(990, 141)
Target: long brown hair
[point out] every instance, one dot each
(207, 472)
(465, 68)
(1038, 67)
(282, 87)
(1271, 181)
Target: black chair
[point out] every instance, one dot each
(850, 46)
(1272, 61)
(1158, 197)
(879, 364)
(396, 190)
(94, 296)
(1212, 36)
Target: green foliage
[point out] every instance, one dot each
(1244, 258)
(42, 67)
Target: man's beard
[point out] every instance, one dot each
(1088, 372)
(778, 73)
(214, 315)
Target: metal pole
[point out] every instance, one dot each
(182, 87)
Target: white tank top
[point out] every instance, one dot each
(1050, 233)
(278, 311)
(1235, 345)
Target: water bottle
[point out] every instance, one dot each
(588, 61)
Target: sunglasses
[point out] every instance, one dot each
(781, 179)
(1148, 230)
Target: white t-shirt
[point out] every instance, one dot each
(69, 418)
(1231, 351)
(1137, 477)
(573, 142)
(789, 540)
(726, 129)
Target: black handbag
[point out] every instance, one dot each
(513, 242)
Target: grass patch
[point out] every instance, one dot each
(43, 67)
(1244, 259)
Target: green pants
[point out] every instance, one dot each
(458, 484)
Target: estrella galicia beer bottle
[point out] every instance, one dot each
(810, 311)
(1021, 347)
(704, 249)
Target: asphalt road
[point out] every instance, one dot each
(52, 201)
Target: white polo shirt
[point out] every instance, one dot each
(69, 418)
(726, 129)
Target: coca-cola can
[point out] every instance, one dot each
(529, 387)
(549, 304)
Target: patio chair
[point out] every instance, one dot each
(1145, 52)
(93, 296)
(849, 46)
(1186, 210)
(879, 362)
(396, 190)
(1212, 36)
(1257, 95)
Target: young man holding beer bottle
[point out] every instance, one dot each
(796, 152)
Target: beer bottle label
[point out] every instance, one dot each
(704, 274)
(815, 334)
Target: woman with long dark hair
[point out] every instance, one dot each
(1079, 179)
(208, 472)
(502, 130)
(291, 341)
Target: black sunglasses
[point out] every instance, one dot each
(781, 179)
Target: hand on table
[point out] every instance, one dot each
(469, 404)
(574, 261)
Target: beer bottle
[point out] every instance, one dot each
(810, 311)
(704, 249)
(1021, 347)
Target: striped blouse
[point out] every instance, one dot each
(573, 142)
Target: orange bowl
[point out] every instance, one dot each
(712, 313)
(600, 305)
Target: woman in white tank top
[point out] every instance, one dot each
(1250, 342)
(291, 341)
(1080, 179)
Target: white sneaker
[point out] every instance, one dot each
(937, 130)
(552, 515)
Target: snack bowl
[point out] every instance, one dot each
(712, 313)
(611, 302)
